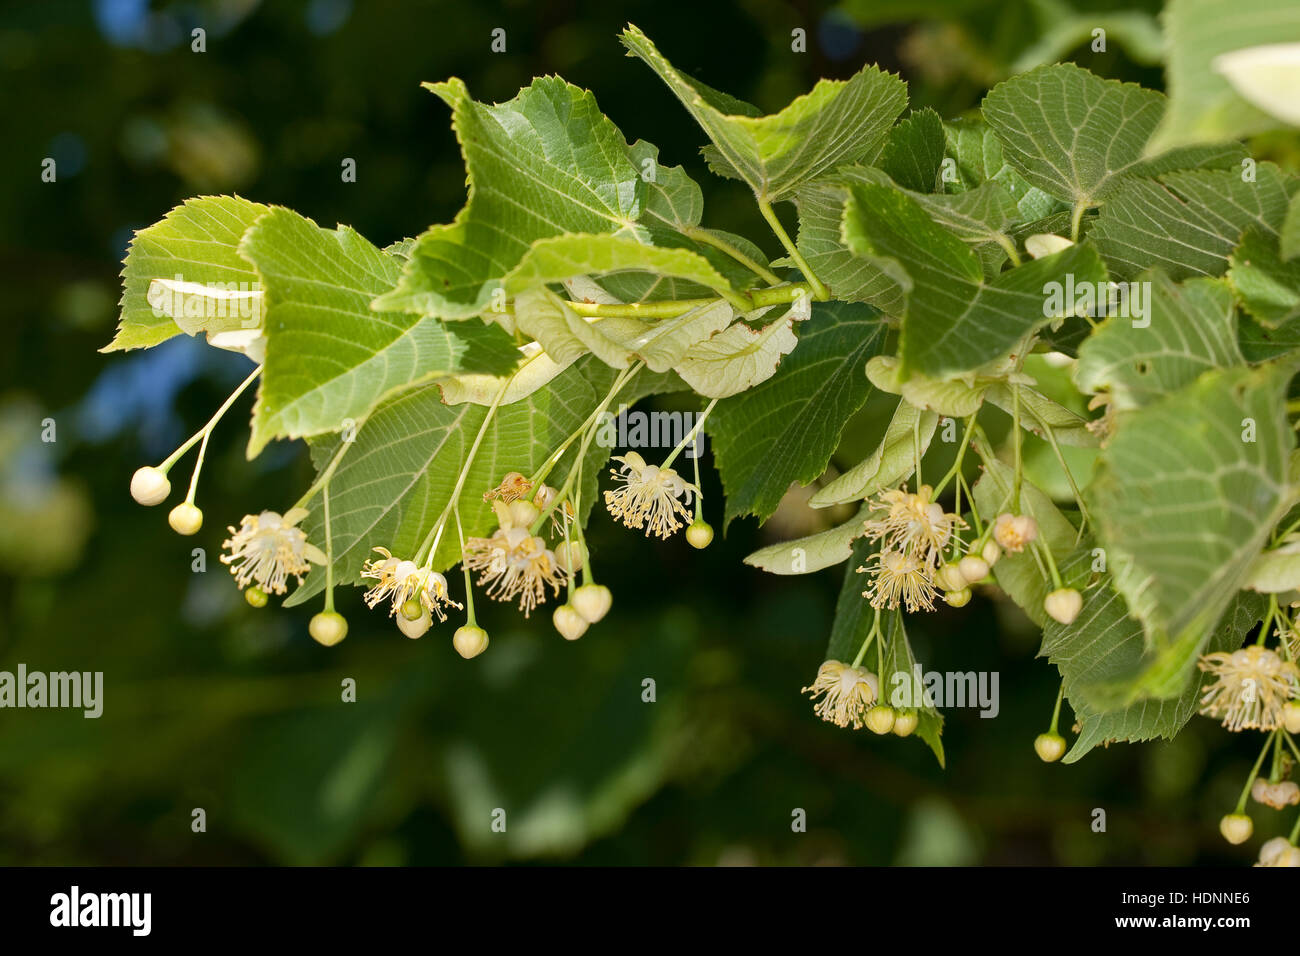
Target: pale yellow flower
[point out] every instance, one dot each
(649, 497)
(911, 523)
(898, 577)
(846, 693)
(268, 548)
(400, 581)
(1251, 688)
(1014, 532)
(514, 562)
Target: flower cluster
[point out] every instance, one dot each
(913, 531)
(514, 562)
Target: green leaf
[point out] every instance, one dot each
(837, 123)
(1063, 30)
(1070, 133)
(737, 358)
(811, 553)
(978, 217)
(1268, 286)
(979, 158)
(673, 200)
(900, 686)
(1190, 328)
(400, 471)
(1185, 495)
(1203, 106)
(1186, 224)
(329, 358)
(1104, 646)
(562, 257)
(849, 277)
(892, 462)
(197, 242)
(853, 614)
(542, 164)
(1228, 156)
(1260, 344)
(1290, 242)
(955, 321)
(914, 151)
(786, 429)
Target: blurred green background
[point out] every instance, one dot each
(209, 704)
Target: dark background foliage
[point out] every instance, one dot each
(209, 704)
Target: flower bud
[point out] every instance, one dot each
(1284, 793)
(469, 641)
(569, 556)
(957, 598)
(974, 569)
(569, 622)
(150, 486)
(1279, 851)
(255, 597)
(1063, 605)
(880, 719)
(1236, 828)
(592, 601)
(700, 534)
(414, 628)
(1291, 716)
(413, 610)
(523, 513)
(905, 723)
(991, 553)
(328, 628)
(1049, 747)
(185, 519)
(950, 578)
(1042, 244)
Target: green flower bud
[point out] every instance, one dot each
(469, 641)
(1049, 747)
(256, 597)
(880, 719)
(328, 628)
(592, 601)
(974, 569)
(150, 486)
(1063, 605)
(185, 519)
(905, 723)
(1236, 828)
(957, 598)
(569, 622)
(700, 534)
